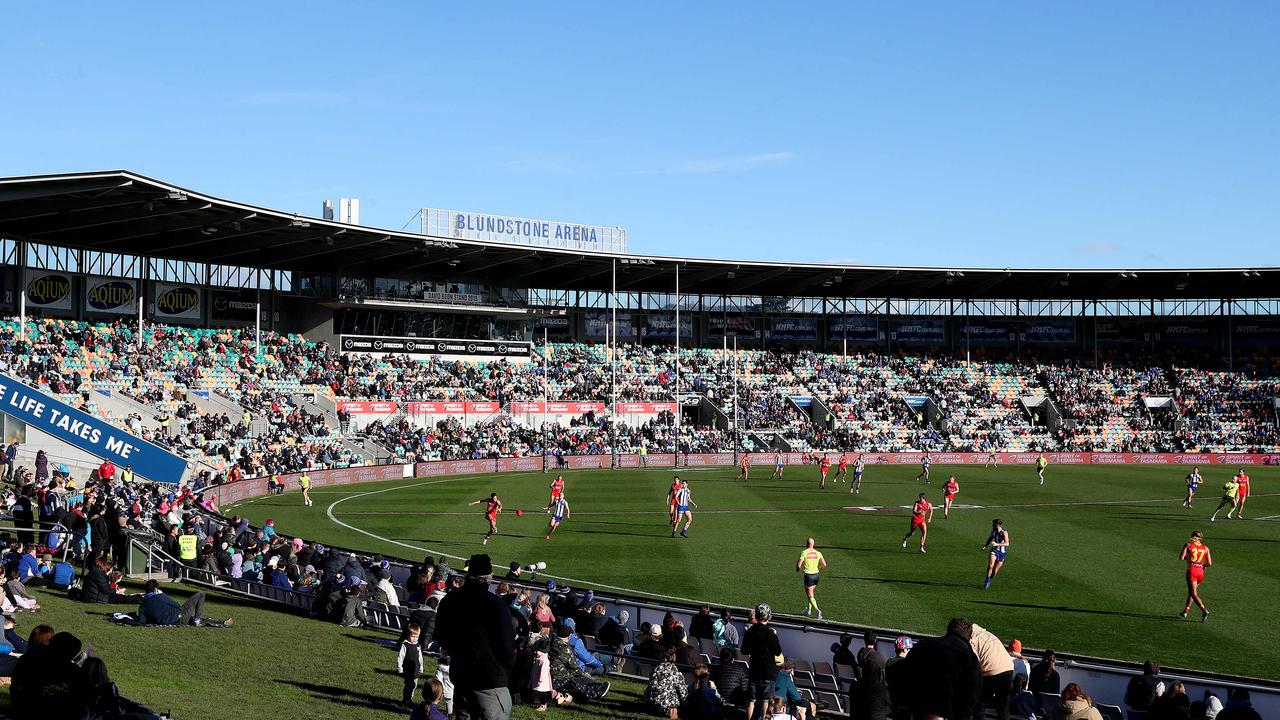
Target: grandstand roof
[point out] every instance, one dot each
(123, 212)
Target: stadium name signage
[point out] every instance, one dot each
(434, 346)
(464, 223)
(92, 435)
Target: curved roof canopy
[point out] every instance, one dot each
(123, 212)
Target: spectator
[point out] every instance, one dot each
(784, 686)
(704, 701)
(869, 696)
(11, 635)
(731, 679)
(996, 667)
(842, 656)
(16, 593)
(48, 682)
(724, 634)
(702, 629)
(1023, 703)
(1171, 705)
(651, 647)
(432, 705)
(425, 617)
(1020, 666)
(409, 661)
(776, 709)
(1238, 707)
(1143, 689)
(901, 646)
(1075, 705)
(99, 587)
(105, 702)
(614, 635)
(156, 608)
(666, 690)
(1044, 678)
(940, 677)
(763, 650)
(587, 661)
(475, 628)
(686, 655)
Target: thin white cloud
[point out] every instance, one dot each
(729, 164)
(1096, 248)
(293, 97)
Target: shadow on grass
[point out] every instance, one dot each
(347, 696)
(892, 581)
(895, 551)
(1084, 611)
(376, 640)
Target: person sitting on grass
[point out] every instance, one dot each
(567, 675)
(156, 608)
(99, 585)
(49, 683)
(16, 593)
(666, 691)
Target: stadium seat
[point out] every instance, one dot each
(1110, 712)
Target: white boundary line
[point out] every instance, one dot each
(575, 581)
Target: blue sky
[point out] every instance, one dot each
(993, 134)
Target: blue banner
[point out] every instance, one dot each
(793, 329)
(1050, 331)
(1254, 332)
(662, 326)
(854, 328)
(93, 435)
(986, 332)
(922, 332)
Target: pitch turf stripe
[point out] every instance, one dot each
(1011, 506)
(419, 548)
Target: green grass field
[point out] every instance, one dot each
(1093, 567)
(270, 664)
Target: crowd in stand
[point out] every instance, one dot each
(864, 399)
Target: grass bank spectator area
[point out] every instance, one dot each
(302, 468)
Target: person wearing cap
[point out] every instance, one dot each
(126, 475)
(1020, 666)
(763, 650)
(513, 571)
(650, 646)
(476, 630)
(589, 663)
(615, 637)
(996, 667)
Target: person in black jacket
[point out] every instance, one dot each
(702, 629)
(96, 587)
(731, 678)
(940, 676)
(475, 628)
(869, 697)
(761, 646)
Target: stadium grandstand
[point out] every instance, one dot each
(172, 358)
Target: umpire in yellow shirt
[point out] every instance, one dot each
(811, 563)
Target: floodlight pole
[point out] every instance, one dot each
(257, 331)
(613, 365)
(676, 395)
(737, 429)
(546, 382)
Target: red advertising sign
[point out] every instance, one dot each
(645, 408)
(368, 407)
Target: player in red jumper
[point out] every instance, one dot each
(921, 516)
(1242, 493)
(493, 506)
(842, 470)
(949, 492)
(1197, 556)
(824, 467)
